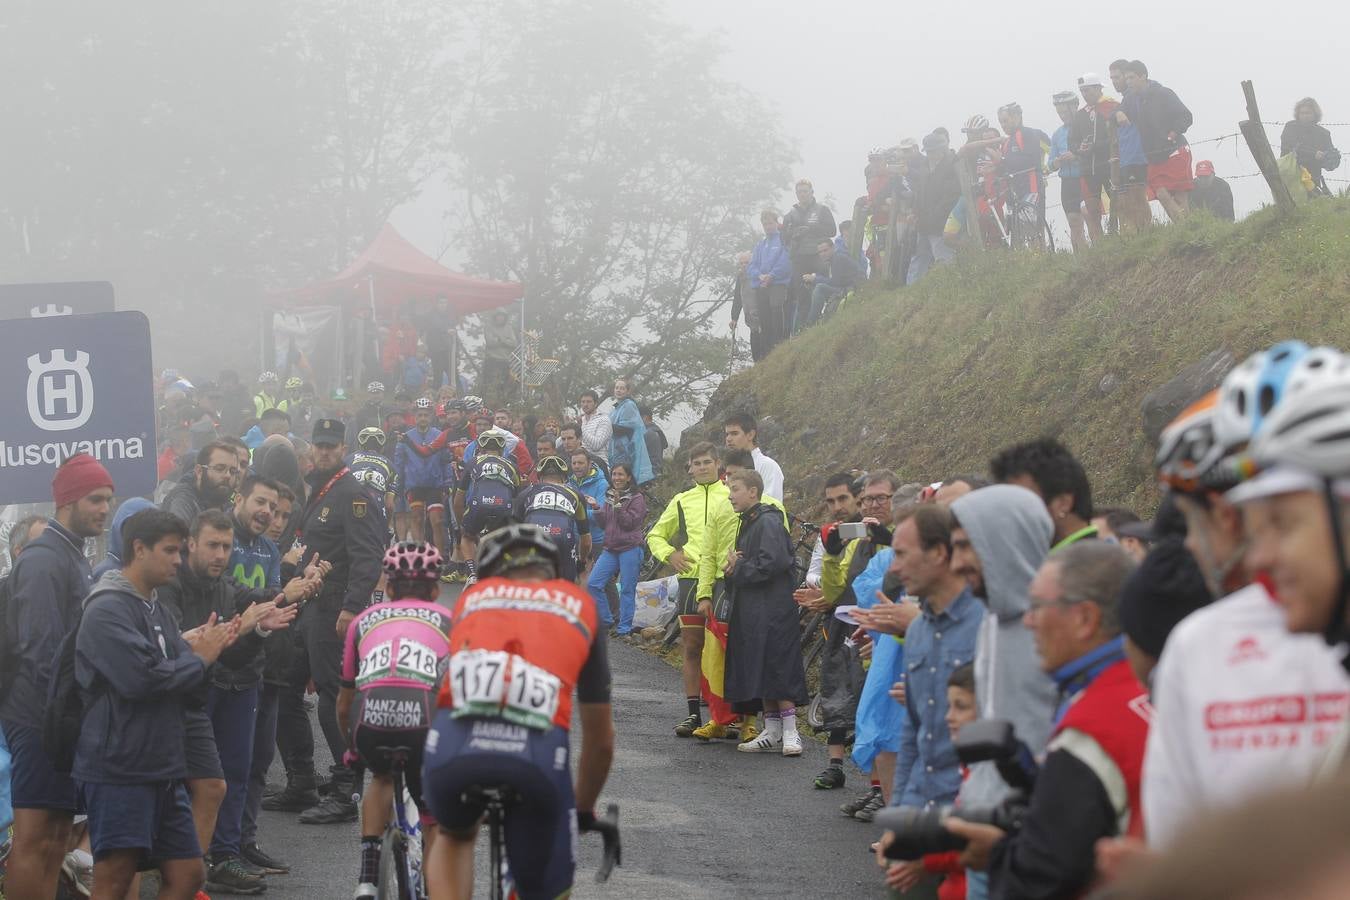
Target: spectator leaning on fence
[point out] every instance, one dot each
(1304, 136)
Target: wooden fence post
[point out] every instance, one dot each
(1255, 134)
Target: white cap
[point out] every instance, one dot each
(1280, 480)
(1089, 79)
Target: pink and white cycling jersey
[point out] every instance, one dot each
(399, 643)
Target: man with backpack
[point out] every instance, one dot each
(48, 584)
(137, 674)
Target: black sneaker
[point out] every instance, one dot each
(334, 809)
(269, 864)
(227, 876)
(851, 808)
(831, 778)
(687, 726)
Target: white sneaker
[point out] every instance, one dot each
(78, 868)
(765, 743)
(792, 744)
(366, 891)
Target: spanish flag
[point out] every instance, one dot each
(713, 665)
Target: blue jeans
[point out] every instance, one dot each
(626, 563)
(821, 296)
(977, 885)
(930, 250)
(233, 715)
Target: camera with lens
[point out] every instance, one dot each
(921, 831)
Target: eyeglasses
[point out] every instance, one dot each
(223, 469)
(874, 498)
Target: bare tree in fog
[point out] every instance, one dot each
(612, 171)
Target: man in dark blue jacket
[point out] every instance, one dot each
(48, 584)
(219, 738)
(137, 675)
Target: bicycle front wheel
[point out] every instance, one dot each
(394, 866)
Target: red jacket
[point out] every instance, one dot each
(1114, 711)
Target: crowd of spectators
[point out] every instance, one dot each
(271, 502)
(1041, 696)
(1118, 145)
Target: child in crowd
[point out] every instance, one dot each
(901, 876)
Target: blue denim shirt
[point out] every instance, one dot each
(927, 771)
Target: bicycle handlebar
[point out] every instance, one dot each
(608, 829)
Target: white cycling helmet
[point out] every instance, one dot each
(267, 378)
(1310, 430)
(423, 403)
(1251, 391)
(375, 387)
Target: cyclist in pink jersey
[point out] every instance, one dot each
(392, 660)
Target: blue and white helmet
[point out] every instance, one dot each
(1251, 391)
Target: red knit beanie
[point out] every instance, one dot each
(78, 476)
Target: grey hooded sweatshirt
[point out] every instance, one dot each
(1011, 532)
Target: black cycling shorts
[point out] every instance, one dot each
(1071, 194)
(427, 496)
(540, 827)
(390, 724)
(479, 520)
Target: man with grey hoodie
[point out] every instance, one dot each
(1002, 534)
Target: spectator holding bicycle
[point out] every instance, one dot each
(391, 658)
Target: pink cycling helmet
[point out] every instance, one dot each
(412, 561)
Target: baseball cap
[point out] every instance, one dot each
(329, 431)
(1089, 79)
(1204, 167)
(934, 141)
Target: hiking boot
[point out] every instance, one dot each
(269, 864)
(765, 743)
(687, 726)
(871, 807)
(709, 730)
(831, 778)
(338, 806)
(298, 796)
(792, 744)
(851, 808)
(332, 810)
(227, 876)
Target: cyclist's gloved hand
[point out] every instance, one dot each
(350, 758)
(586, 820)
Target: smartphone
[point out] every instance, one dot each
(851, 531)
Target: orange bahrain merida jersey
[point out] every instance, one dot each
(516, 649)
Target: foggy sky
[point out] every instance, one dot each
(849, 76)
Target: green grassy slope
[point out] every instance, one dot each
(998, 348)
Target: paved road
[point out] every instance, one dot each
(699, 820)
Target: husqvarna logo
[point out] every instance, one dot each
(50, 310)
(60, 392)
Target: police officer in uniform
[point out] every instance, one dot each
(342, 525)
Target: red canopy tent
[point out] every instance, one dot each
(388, 277)
(392, 271)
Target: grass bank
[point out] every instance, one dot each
(996, 348)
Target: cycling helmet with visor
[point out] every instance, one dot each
(516, 546)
